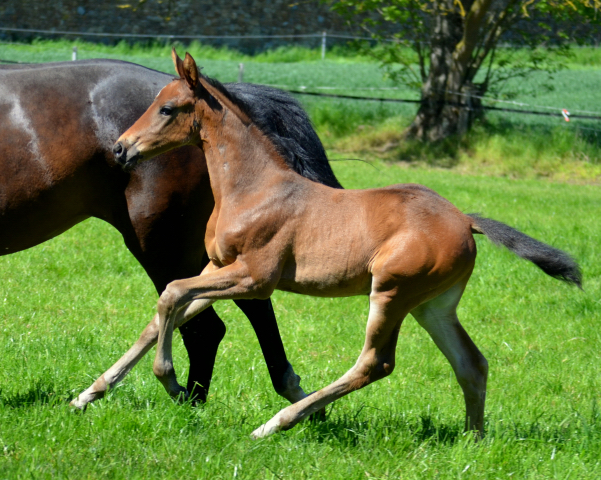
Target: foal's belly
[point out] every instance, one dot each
(328, 279)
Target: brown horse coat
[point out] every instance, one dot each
(405, 246)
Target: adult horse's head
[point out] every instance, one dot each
(173, 119)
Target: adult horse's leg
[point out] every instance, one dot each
(262, 318)
(439, 319)
(202, 336)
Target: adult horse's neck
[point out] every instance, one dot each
(241, 159)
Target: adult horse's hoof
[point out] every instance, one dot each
(179, 394)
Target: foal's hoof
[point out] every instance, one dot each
(264, 430)
(78, 404)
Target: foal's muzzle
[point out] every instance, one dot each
(126, 157)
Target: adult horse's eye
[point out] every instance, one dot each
(166, 111)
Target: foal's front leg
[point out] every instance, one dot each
(121, 368)
(182, 299)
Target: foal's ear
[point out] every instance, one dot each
(190, 71)
(177, 63)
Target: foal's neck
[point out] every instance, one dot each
(241, 160)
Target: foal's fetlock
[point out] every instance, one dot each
(93, 393)
(163, 370)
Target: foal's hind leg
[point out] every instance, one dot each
(375, 362)
(439, 318)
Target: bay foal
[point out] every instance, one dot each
(405, 246)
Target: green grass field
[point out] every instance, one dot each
(73, 305)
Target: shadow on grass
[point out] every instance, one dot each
(39, 394)
(577, 430)
(350, 431)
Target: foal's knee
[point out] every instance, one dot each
(169, 298)
(384, 367)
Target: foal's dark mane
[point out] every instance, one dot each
(285, 123)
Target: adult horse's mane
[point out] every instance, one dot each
(276, 114)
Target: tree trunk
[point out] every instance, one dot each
(448, 104)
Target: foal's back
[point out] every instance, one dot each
(343, 238)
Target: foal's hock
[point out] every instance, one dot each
(405, 246)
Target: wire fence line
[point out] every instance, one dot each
(182, 37)
(521, 104)
(320, 34)
(553, 111)
(557, 113)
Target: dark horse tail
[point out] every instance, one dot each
(552, 261)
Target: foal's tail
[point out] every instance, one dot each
(552, 261)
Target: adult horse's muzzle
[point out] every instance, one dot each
(126, 157)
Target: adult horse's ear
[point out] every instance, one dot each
(177, 63)
(190, 71)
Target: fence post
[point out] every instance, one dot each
(74, 54)
(323, 45)
(240, 72)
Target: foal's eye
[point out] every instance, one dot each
(167, 111)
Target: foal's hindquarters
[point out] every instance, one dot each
(422, 259)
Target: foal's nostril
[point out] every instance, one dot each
(118, 150)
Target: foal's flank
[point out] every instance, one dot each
(405, 246)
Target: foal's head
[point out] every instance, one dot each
(174, 119)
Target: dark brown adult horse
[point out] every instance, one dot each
(58, 123)
(405, 246)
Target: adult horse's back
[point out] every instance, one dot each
(58, 123)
